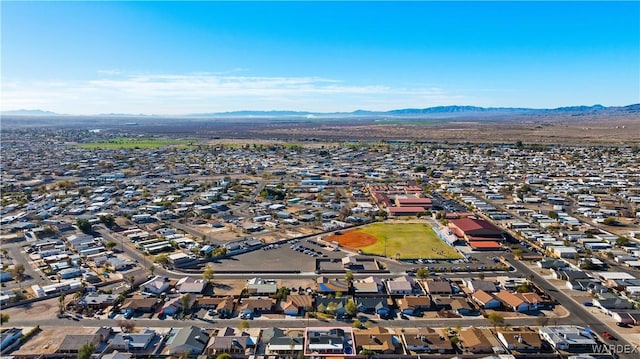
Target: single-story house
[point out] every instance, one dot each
(485, 300)
(156, 285)
(377, 305)
(413, 305)
(296, 304)
(189, 339)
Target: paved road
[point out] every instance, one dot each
(285, 323)
(17, 256)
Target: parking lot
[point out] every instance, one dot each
(280, 258)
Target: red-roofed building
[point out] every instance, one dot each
(405, 211)
(484, 245)
(381, 199)
(474, 229)
(413, 189)
(413, 202)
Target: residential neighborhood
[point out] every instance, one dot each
(278, 250)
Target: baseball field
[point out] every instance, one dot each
(396, 240)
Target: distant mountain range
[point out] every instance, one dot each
(442, 110)
(30, 113)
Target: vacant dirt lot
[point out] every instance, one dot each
(45, 309)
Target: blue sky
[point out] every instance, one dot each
(180, 58)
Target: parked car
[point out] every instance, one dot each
(608, 335)
(587, 304)
(622, 325)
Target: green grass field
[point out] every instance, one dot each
(134, 143)
(407, 240)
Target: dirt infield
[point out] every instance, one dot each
(353, 239)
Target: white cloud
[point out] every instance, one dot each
(116, 91)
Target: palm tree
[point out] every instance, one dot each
(185, 302)
(61, 303)
(348, 276)
(292, 345)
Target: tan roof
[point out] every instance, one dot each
(438, 286)
(256, 303)
(434, 340)
(377, 339)
(209, 301)
(413, 302)
(365, 287)
(509, 298)
(482, 297)
(531, 298)
(459, 303)
(529, 338)
(137, 303)
(300, 301)
(475, 339)
(226, 304)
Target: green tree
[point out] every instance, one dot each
(161, 258)
(219, 252)
(420, 168)
(186, 301)
(517, 253)
(224, 356)
(422, 273)
(610, 221)
(4, 318)
(367, 353)
(332, 308)
(321, 308)
(350, 308)
(108, 221)
(110, 245)
(524, 288)
(61, 303)
(86, 351)
(622, 241)
(496, 320)
(244, 325)
(282, 293)
(587, 263)
(84, 225)
(348, 276)
(208, 273)
(519, 144)
(17, 272)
